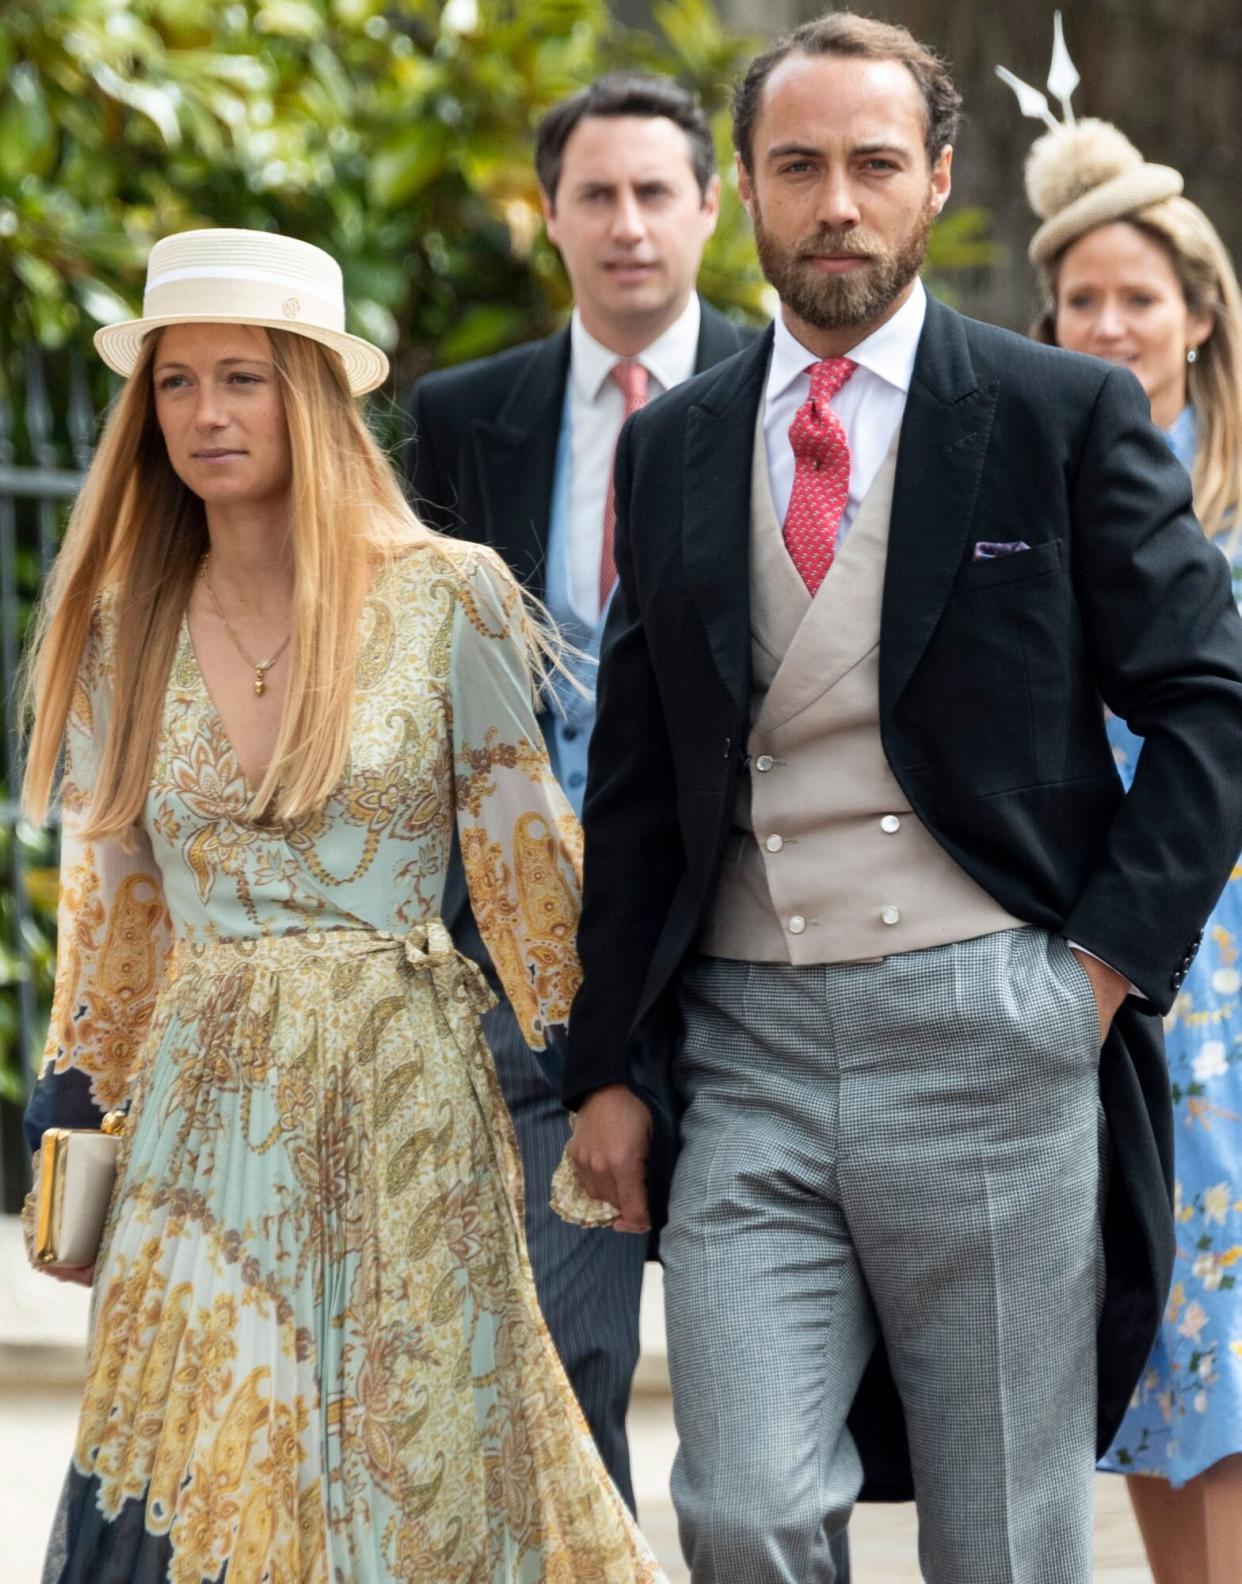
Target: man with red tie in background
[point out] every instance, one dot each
(515, 451)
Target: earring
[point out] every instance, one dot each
(1192, 354)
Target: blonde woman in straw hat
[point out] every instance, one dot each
(1134, 272)
(316, 1352)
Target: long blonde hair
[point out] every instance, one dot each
(139, 533)
(1214, 380)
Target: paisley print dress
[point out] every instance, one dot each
(316, 1355)
(1187, 1410)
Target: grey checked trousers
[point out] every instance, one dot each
(909, 1149)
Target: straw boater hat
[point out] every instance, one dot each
(245, 277)
(1081, 174)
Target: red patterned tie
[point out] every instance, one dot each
(632, 378)
(821, 475)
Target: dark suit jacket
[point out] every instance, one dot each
(991, 676)
(481, 465)
(482, 459)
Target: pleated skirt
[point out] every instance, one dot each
(316, 1352)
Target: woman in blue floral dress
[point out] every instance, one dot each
(1144, 280)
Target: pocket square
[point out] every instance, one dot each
(993, 549)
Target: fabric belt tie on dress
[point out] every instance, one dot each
(427, 946)
(457, 978)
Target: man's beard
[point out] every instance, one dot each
(839, 302)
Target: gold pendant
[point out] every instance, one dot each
(260, 685)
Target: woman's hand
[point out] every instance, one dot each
(79, 1275)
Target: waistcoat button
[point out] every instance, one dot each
(764, 762)
(890, 824)
(774, 843)
(891, 915)
(797, 924)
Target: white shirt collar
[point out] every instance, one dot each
(888, 352)
(669, 359)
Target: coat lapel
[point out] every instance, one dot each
(719, 443)
(944, 441)
(516, 457)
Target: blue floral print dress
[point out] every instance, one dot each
(1187, 1410)
(316, 1353)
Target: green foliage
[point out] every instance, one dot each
(960, 242)
(397, 135)
(27, 946)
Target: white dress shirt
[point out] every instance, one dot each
(870, 404)
(595, 408)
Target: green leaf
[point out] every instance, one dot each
(27, 137)
(484, 329)
(374, 322)
(960, 240)
(39, 275)
(289, 19)
(103, 305)
(407, 162)
(158, 104)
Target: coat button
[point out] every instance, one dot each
(774, 843)
(891, 915)
(890, 824)
(797, 924)
(764, 762)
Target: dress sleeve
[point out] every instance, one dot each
(521, 843)
(113, 933)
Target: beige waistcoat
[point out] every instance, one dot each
(827, 862)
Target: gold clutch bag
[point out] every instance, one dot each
(76, 1170)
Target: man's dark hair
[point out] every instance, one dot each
(624, 94)
(844, 34)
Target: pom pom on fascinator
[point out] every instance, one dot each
(1069, 161)
(1081, 174)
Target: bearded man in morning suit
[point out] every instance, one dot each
(864, 897)
(515, 451)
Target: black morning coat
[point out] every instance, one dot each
(991, 679)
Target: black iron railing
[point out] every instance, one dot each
(47, 427)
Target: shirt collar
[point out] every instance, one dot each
(1183, 437)
(669, 359)
(888, 352)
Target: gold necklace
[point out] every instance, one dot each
(259, 667)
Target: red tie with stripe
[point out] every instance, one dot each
(632, 378)
(821, 475)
